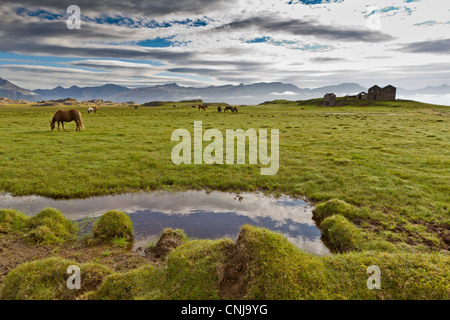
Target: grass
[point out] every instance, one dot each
(50, 226)
(389, 159)
(120, 242)
(273, 268)
(47, 280)
(11, 220)
(378, 171)
(341, 234)
(114, 226)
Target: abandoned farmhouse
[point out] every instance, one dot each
(387, 93)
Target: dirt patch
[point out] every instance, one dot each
(442, 231)
(14, 251)
(168, 241)
(411, 238)
(234, 275)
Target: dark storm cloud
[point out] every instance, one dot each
(149, 8)
(203, 71)
(431, 46)
(25, 36)
(306, 28)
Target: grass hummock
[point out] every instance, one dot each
(11, 220)
(261, 265)
(50, 226)
(114, 226)
(47, 280)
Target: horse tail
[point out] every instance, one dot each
(81, 122)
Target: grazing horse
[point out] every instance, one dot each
(193, 107)
(67, 116)
(219, 109)
(234, 109)
(92, 109)
(136, 106)
(227, 108)
(174, 106)
(203, 107)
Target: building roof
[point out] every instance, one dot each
(374, 87)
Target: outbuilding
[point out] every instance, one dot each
(329, 100)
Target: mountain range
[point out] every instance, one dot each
(233, 94)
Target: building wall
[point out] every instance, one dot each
(362, 96)
(385, 94)
(388, 93)
(329, 100)
(374, 93)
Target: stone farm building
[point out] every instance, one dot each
(362, 96)
(376, 93)
(329, 100)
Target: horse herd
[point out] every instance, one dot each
(62, 116)
(219, 108)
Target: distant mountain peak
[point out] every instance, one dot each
(111, 85)
(252, 93)
(174, 84)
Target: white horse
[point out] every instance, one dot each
(91, 109)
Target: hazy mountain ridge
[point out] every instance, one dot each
(11, 91)
(234, 94)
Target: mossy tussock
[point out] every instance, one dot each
(169, 240)
(341, 234)
(261, 264)
(50, 226)
(47, 280)
(11, 220)
(113, 225)
(334, 206)
(190, 272)
(272, 268)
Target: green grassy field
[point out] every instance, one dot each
(388, 164)
(391, 158)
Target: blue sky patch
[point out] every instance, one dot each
(258, 40)
(308, 2)
(41, 14)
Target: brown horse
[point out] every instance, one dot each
(203, 107)
(67, 116)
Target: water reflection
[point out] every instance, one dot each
(199, 214)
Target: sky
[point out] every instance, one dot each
(309, 43)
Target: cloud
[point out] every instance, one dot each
(310, 45)
(306, 28)
(286, 93)
(327, 59)
(111, 64)
(431, 46)
(153, 8)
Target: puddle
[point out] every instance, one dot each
(200, 214)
